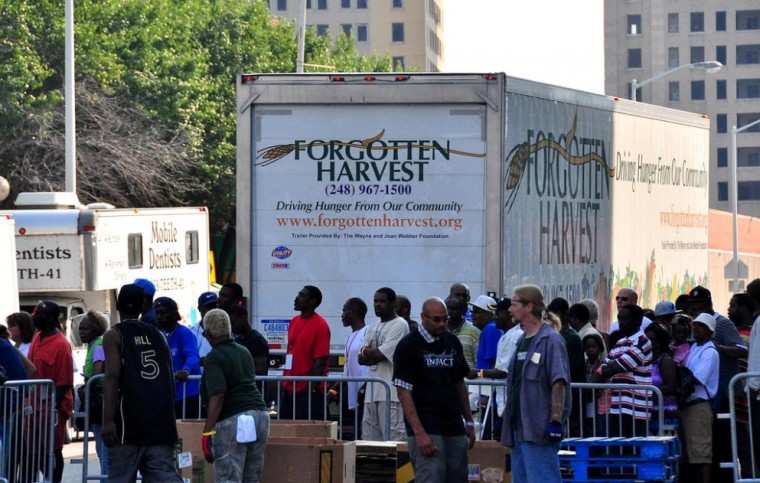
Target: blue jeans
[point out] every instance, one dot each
(533, 462)
(100, 447)
(239, 462)
(155, 463)
(447, 465)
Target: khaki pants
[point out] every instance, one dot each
(374, 422)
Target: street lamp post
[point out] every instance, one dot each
(709, 66)
(735, 196)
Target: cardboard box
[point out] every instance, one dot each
(309, 460)
(485, 455)
(190, 433)
(286, 428)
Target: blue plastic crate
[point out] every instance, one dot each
(642, 448)
(620, 471)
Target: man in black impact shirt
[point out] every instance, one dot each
(429, 372)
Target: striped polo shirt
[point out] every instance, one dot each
(634, 354)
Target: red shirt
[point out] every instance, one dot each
(308, 340)
(52, 358)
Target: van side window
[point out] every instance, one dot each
(192, 254)
(134, 245)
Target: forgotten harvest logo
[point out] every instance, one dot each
(519, 157)
(360, 150)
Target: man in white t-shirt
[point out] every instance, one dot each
(377, 351)
(354, 311)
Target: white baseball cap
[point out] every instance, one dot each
(483, 302)
(707, 319)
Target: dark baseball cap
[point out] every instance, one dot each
(700, 294)
(130, 299)
(46, 308)
(207, 298)
(165, 302)
(502, 304)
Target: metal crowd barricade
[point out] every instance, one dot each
(745, 460)
(583, 422)
(330, 380)
(27, 417)
(272, 393)
(592, 424)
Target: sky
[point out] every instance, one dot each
(553, 41)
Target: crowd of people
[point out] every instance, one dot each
(540, 348)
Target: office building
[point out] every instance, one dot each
(645, 38)
(410, 31)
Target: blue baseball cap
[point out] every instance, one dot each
(147, 286)
(207, 298)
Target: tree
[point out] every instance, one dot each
(156, 100)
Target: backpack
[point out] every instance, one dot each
(686, 384)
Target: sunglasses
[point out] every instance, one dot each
(622, 299)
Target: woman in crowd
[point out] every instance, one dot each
(539, 387)
(91, 329)
(664, 377)
(21, 329)
(237, 422)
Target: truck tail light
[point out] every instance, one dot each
(247, 79)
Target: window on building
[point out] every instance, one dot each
(722, 157)
(720, 21)
(397, 32)
(721, 123)
(721, 90)
(748, 157)
(748, 190)
(697, 22)
(361, 4)
(134, 250)
(308, 3)
(282, 5)
(697, 54)
(346, 27)
(361, 33)
(345, 3)
(321, 4)
(634, 24)
(322, 29)
(748, 54)
(747, 118)
(192, 247)
(398, 64)
(673, 23)
(673, 57)
(634, 58)
(398, 3)
(720, 54)
(722, 191)
(748, 88)
(748, 20)
(698, 90)
(674, 91)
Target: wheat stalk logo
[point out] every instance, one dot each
(519, 155)
(275, 153)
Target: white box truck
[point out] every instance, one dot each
(79, 256)
(8, 283)
(415, 181)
